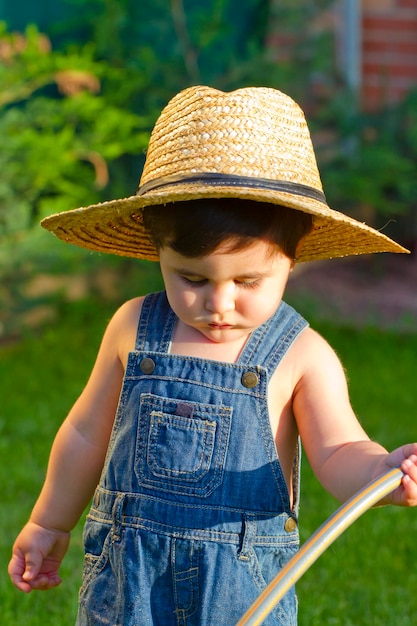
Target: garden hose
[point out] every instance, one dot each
(330, 530)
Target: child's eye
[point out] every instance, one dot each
(196, 281)
(249, 284)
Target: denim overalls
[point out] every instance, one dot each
(192, 515)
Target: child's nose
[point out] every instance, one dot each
(221, 298)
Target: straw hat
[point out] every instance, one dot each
(252, 143)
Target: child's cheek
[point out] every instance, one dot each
(188, 298)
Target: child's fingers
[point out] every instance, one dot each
(409, 467)
(17, 569)
(33, 562)
(20, 584)
(409, 481)
(36, 557)
(42, 582)
(408, 496)
(406, 493)
(26, 576)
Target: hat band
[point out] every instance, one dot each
(231, 180)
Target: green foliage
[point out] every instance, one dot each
(60, 130)
(374, 164)
(163, 46)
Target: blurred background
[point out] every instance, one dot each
(81, 85)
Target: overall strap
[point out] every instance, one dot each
(269, 343)
(156, 324)
(267, 347)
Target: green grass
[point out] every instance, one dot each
(368, 577)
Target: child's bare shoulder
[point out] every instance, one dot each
(122, 327)
(129, 311)
(310, 342)
(317, 372)
(312, 356)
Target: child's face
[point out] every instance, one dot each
(226, 295)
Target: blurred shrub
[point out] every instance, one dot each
(372, 170)
(61, 132)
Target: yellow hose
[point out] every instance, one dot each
(318, 543)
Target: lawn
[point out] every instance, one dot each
(368, 577)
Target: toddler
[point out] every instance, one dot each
(186, 436)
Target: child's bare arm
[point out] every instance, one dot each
(75, 464)
(79, 449)
(340, 452)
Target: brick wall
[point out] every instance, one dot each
(389, 51)
(385, 67)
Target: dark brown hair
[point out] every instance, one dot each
(197, 228)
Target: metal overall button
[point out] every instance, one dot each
(250, 379)
(147, 365)
(290, 525)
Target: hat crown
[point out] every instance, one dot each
(254, 132)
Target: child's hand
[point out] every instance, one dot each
(406, 459)
(37, 555)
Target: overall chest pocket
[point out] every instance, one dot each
(181, 446)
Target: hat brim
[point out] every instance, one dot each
(116, 226)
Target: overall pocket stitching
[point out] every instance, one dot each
(210, 423)
(181, 424)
